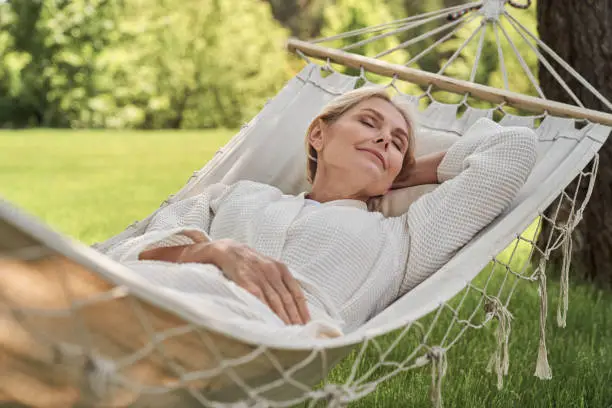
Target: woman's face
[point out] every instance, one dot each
(365, 148)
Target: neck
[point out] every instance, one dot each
(324, 190)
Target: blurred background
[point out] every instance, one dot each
(159, 64)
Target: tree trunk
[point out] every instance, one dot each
(580, 31)
(303, 17)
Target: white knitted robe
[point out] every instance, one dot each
(351, 263)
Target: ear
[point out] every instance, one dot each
(315, 137)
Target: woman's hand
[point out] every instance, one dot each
(264, 277)
(424, 171)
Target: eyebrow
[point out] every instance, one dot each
(382, 118)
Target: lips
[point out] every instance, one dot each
(378, 155)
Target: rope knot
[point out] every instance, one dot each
(493, 9)
(543, 370)
(436, 353)
(500, 360)
(99, 375)
(338, 395)
(437, 356)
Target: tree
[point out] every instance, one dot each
(303, 17)
(203, 64)
(581, 33)
(49, 51)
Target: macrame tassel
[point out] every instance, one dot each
(99, 375)
(564, 289)
(437, 356)
(501, 357)
(543, 371)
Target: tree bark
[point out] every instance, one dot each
(580, 31)
(303, 17)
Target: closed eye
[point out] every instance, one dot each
(399, 143)
(367, 123)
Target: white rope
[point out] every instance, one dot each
(100, 375)
(500, 360)
(467, 323)
(456, 314)
(461, 48)
(543, 370)
(383, 26)
(477, 58)
(524, 65)
(564, 64)
(478, 53)
(546, 64)
(407, 27)
(424, 36)
(500, 54)
(564, 284)
(440, 40)
(439, 365)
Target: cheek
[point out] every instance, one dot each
(350, 132)
(342, 139)
(396, 162)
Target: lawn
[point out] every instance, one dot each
(92, 184)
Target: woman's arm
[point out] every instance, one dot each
(181, 223)
(167, 254)
(480, 175)
(264, 277)
(425, 171)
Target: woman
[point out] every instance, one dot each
(321, 262)
(317, 264)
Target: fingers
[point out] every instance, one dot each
(297, 294)
(283, 294)
(253, 289)
(287, 301)
(275, 300)
(270, 281)
(268, 293)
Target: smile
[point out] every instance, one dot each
(376, 155)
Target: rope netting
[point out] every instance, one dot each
(70, 336)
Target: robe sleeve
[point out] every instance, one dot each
(480, 176)
(181, 223)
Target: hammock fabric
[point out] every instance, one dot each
(78, 328)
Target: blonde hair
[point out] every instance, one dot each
(340, 105)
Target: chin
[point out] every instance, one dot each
(372, 178)
(376, 188)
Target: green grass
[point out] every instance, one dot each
(91, 185)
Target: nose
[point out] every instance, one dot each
(384, 139)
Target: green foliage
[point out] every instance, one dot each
(349, 15)
(150, 64)
(50, 51)
(138, 64)
(199, 65)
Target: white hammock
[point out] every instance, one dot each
(190, 360)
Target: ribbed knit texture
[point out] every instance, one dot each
(350, 262)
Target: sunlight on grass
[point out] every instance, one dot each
(92, 184)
